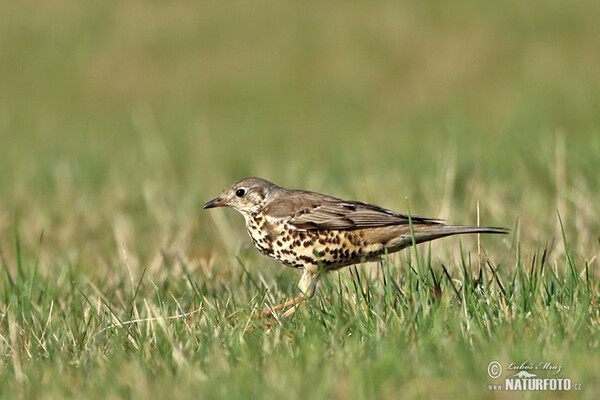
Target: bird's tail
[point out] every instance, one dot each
(449, 230)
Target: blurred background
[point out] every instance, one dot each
(118, 120)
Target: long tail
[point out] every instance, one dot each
(449, 230)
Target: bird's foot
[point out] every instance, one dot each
(293, 303)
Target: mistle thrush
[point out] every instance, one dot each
(318, 233)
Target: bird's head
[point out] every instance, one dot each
(247, 196)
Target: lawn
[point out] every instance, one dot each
(119, 120)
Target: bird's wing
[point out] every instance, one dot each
(318, 212)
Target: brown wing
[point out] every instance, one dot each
(312, 211)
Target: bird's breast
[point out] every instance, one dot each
(261, 232)
(331, 249)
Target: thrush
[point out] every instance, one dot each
(317, 233)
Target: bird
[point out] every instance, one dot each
(317, 233)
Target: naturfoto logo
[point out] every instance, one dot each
(530, 376)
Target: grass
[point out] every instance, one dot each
(366, 335)
(119, 120)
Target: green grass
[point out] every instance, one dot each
(119, 120)
(366, 335)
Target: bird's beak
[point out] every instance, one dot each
(214, 203)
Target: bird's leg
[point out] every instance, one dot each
(308, 285)
(309, 280)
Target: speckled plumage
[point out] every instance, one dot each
(319, 233)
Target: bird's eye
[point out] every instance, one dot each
(240, 192)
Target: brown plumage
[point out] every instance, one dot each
(319, 233)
